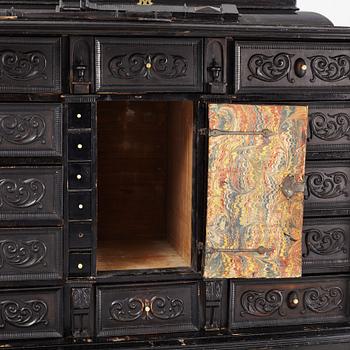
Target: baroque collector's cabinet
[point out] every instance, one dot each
(173, 175)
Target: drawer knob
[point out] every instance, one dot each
(147, 309)
(293, 300)
(81, 235)
(300, 68)
(80, 266)
(81, 206)
(79, 177)
(291, 186)
(80, 146)
(79, 116)
(148, 65)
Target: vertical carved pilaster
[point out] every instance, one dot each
(81, 299)
(214, 302)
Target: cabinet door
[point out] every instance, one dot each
(255, 199)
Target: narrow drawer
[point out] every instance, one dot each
(327, 190)
(30, 65)
(31, 254)
(80, 235)
(289, 302)
(148, 65)
(31, 313)
(30, 130)
(329, 129)
(160, 308)
(79, 146)
(326, 245)
(29, 195)
(286, 66)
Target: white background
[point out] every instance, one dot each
(338, 11)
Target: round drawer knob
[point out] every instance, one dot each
(303, 67)
(293, 300)
(148, 65)
(79, 177)
(81, 235)
(80, 266)
(80, 146)
(79, 116)
(81, 206)
(147, 309)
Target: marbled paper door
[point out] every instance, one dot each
(256, 171)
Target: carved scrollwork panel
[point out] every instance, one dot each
(323, 300)
(330, 69)
(262, 304)
(81, 298)
(271, 68)
(214, 290)
(22, 254)
(21, 194)
(149, 66)
(132, 309)
(325, 242)
(23, 314)
(326, 185)
(329, 127)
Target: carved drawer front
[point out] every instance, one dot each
(147, 309)
(272, 303)
(31, 195)
(32, 130)
(326, 245)
(327, 188)
(329, 130)
(30, 254)
(148, 65)
(30, 65)
(31, 313)
(291, 66)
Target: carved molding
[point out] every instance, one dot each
(326, 186)
(22, 254)
(271, 68)
(132, 309)
(138, 65)
(22, 66)
(22, 193)
(329, 127)
(323, 300)
(23, 314)
(20, 130)
(325, 242)
(262, 304)
(81, 298)
(330, 69)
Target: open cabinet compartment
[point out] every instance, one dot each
(145, 160)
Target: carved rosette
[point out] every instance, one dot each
(330, 69)
(22, 130)
(262, 304)
(22, 314)
(271, 68)
(148, 66)
(323, 300)
(328, 127)
(22, 254)
(81, 298)
(22, 193)
(326, 186)
(213, 290)
(22, 66)
(132, 309)
(325, 242)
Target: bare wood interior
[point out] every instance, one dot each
(144, 185)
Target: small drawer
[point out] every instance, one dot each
(147, 309)
(80, 205)
(289, 302)
(29, 195)
(31, 313)
(329, 129)
(142, 64)
(79, 176)
(327, 189)
(30, 65)
(326, 245)
(291, 67)
(79, 116)
(79, 264)
(30, 130)
(31, 254)
(80, 235)
(79, 146)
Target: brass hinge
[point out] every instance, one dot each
(261, 250)
(265, 133)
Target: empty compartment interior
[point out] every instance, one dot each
(144, 185)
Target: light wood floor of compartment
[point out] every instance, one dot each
(141, 254)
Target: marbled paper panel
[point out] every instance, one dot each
(253, 229)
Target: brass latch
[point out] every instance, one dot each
(290, 186)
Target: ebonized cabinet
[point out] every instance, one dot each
(132, 146)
